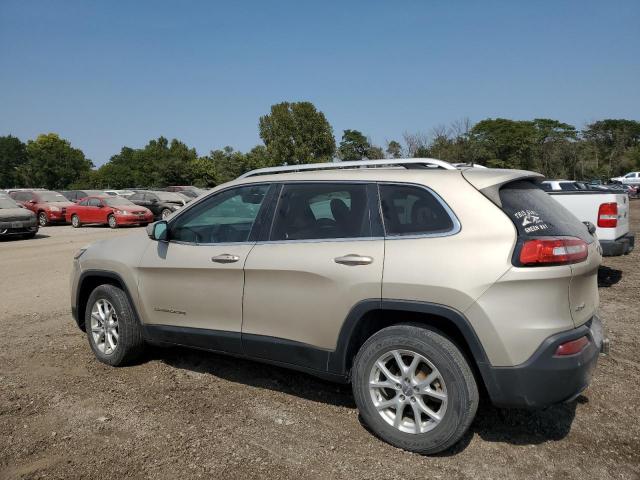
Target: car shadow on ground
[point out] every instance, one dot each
(513, 426)
(15, 238)
(608, 276)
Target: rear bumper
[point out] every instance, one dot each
(620, 246)
(546, 379)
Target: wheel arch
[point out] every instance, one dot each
(91, 279)
(370, 316)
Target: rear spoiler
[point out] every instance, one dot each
(489, 181)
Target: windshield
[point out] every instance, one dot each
(51, 197)
(169, 197)
(6, 202)
(117, 202)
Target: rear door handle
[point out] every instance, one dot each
(225, 258)
(354, 259)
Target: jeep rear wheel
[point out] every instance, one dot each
(114, 334)
(414, 388)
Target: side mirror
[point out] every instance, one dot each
(154, 200)
(158, 231)
(32, 202)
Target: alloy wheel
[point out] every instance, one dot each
(104, 326)
(408, 391)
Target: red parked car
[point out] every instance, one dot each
(114, 211)
(47, 205)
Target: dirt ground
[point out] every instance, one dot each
(190, 414)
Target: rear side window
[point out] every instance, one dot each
(568, 187)
(322, 211)
(536, 214)
(412, 210)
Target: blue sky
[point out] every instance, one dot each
(104, 74)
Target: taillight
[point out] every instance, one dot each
(572, 347)
(553, 251)
(608, 215)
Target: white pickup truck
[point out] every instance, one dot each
(608, 211)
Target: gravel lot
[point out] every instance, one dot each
(190, 414)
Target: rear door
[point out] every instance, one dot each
(322, 257)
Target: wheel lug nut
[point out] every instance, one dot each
(413, 399)
(402, 397)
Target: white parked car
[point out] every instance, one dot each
(632, 178)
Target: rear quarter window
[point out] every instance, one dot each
(536, 214)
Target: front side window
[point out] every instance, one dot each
(226, 217)
(413, 210)
(322, 211)
(84, 202)
(566, 186)
(94, 202)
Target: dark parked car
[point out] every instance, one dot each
(161, 204)
(47, 205)
(16, 220)
(77, 195)
(188, 190)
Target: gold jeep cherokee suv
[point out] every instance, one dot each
(418, 283)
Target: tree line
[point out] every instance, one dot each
(296, 133)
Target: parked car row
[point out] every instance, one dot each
(572, 186)
(81, 207)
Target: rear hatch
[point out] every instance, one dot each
(539, 218)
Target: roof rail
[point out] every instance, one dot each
(401, 162)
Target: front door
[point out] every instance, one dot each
(193, 283)
(321, 260)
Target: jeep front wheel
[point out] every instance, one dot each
(114, 334)
(414, 388)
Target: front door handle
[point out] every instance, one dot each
(225, 258)
(354, 259)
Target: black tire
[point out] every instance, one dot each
(130, 345)
(43, 220)
(461, 388)
(111, 220)
(75, 221)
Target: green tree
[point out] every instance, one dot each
(53, 163)
(611, 139)
(506, 143)
(394, 149)
(296, 133)
(158, 164)
(355, 146)
(13, 155)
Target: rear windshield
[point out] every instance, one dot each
(536, 214)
